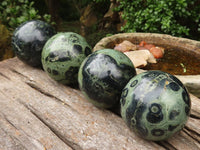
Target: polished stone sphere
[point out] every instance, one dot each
(62, 56)
(103, 75)
(155, 105)
(28, 41)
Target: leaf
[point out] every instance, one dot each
(13, 12)
(32, 13)
(4, 3)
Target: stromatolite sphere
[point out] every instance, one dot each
(62, 56)
(28, 41)
(103, 75)
(155, 105)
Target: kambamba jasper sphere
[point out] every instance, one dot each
(28, 41)
(155, 105)
(103, 75)
(62, 56)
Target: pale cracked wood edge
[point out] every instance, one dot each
(39, 113)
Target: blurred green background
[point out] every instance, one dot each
(95, 19)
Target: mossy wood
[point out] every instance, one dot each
(39, 113)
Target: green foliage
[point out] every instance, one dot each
(86, 2)
(175, 17)
(100, 1)
(15, 12)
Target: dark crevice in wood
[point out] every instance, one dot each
(69, 143)
(3, 75)
(14, 140)
(194, 116)
(194, 135)
(35, 87)
(17, 144)
(16, 72)
(13, 137)
(7, 120)
(166, 145)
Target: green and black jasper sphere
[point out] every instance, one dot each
(155, 105)
(28, 41)
(62, 56)
(103, 75)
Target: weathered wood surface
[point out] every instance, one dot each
(37, 113)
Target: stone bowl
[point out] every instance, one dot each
(191, 47)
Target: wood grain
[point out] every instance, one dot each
(38, 113)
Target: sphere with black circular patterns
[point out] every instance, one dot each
(62, 56)
(103, 75)
(155, 105)
(28, 40)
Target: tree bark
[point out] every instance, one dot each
(53, 6)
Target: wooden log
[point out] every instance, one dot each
(36, 112)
